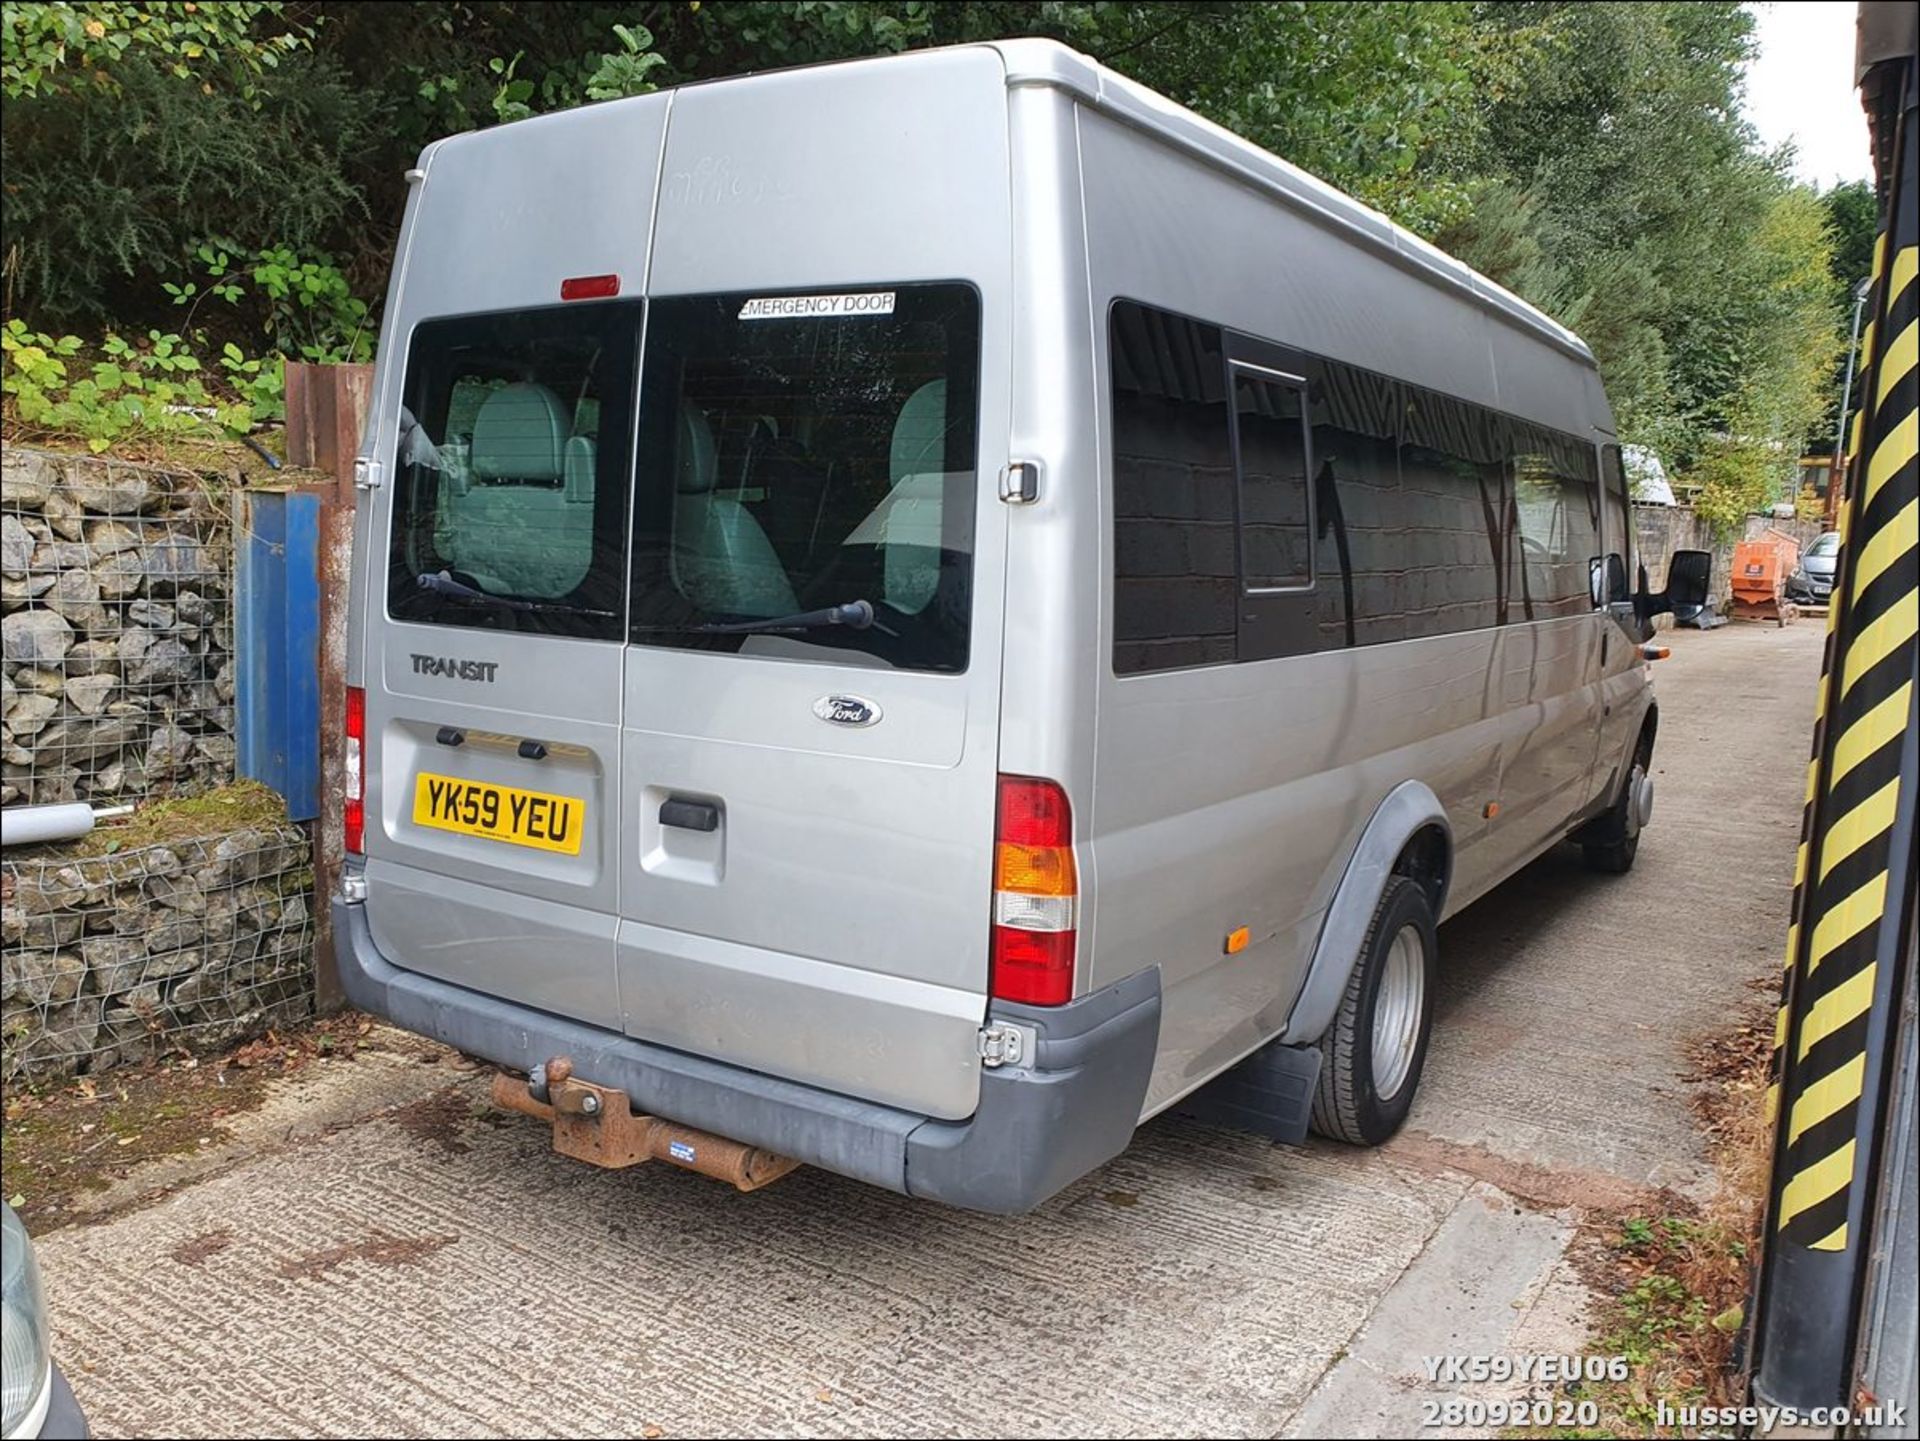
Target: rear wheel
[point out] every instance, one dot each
(1377, 1045)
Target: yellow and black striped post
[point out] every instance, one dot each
(1850, 944)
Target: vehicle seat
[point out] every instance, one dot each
(520, 436)
(518, 526)
(909, 528)
(582, 458)
(721, 559)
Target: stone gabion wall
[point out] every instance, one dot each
(194, 942)
(114, 609)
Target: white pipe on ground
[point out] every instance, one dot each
(35, 825)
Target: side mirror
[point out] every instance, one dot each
(1689, 577)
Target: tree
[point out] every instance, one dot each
(1622, 191)
(1591, 156)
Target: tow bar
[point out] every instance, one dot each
(598, 1125)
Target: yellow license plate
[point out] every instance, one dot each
(499, 813)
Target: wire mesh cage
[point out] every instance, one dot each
(196, 941)
(193, 928)
(115, 581)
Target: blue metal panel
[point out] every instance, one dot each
(277, 644)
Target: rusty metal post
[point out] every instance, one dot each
(326, 410)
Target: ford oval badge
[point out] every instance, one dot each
(847, 710)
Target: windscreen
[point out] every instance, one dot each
(800, 454)
(1828, 543)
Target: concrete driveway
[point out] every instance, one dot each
(380, 1254)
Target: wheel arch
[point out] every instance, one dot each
(1408, 834)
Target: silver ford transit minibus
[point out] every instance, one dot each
(911, 615)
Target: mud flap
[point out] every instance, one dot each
(1269, 1094)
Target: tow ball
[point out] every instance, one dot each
(598, 1125)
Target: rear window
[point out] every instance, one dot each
(510, 492)
(803, 452)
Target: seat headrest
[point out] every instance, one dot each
(520, 433)
(698, 464)
(920, 434)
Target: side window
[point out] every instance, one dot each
(1276, 550)
(1363, 543)
(1176, 589)
(1453, 467)
(1617, 540)
(1556, 505)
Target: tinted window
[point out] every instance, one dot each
(510, 493)
(1275, 540)
(1175, 585)
(795, 457)
(1556, 514)
(1360, 518)
(1617, 535)
(1401, 513)
(1453, 463)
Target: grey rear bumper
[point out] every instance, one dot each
(1037, 1128)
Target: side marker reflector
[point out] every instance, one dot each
(589, 287)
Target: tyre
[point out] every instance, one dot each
(1374, 1050)
(1614, 842)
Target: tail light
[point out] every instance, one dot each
(1036, 894)
(354, 813)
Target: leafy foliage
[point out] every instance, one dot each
(56, 48)
(304, 308)
(107, 194)
(1737, 477)
(127, 388)
(1591, 156)
(1648, 220)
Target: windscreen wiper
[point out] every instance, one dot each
(440, 583)
(855, 615)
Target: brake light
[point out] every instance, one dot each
(354, 812)
(589, 287)
(1036, 894)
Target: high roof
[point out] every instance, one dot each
(1047, 62)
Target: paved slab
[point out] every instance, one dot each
(437, 1270)
(1474, 1291)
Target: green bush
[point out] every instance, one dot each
(108, 191)
(302, 307)
(55, 385)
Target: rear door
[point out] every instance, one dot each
(496, 597)
(807, 875)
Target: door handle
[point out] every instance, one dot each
(690, 815)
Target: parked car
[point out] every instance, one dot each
(1812, 581)
(37, 1401)
(971, 606)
